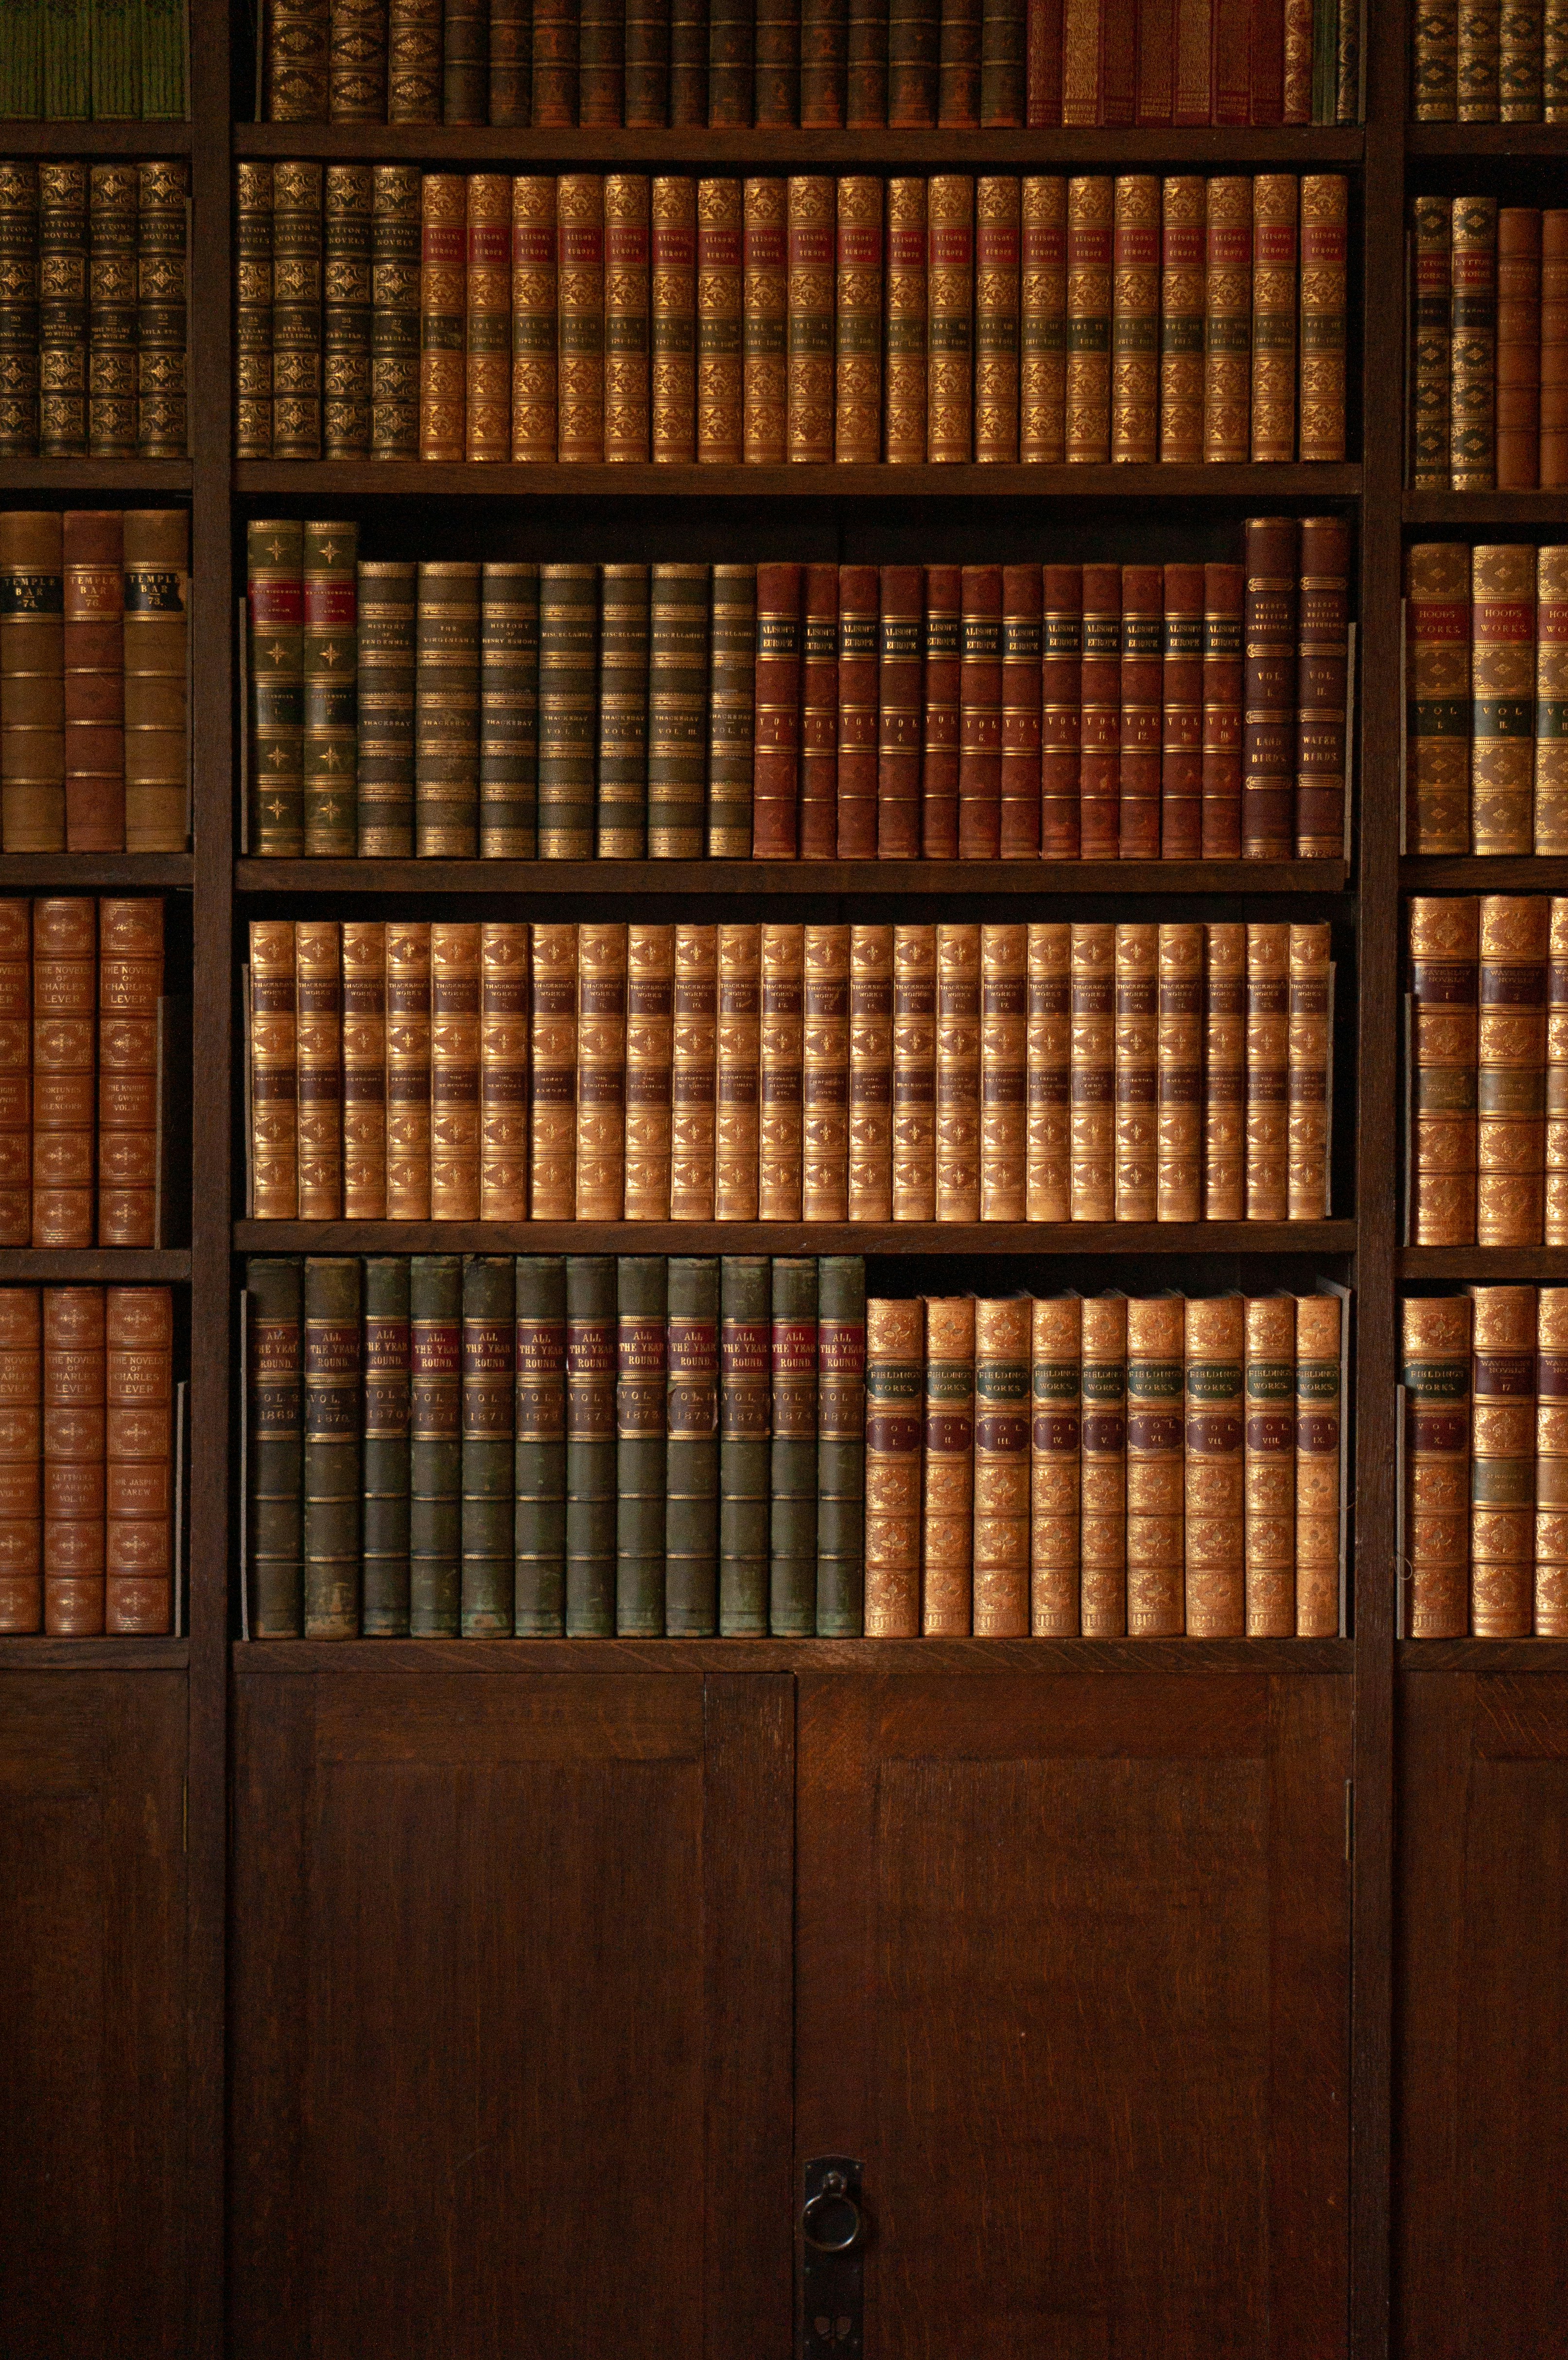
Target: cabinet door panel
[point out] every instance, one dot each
(1073, 1982)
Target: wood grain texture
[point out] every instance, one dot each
(447, 146)
(326, 479)
(917, 1658)
(1316, 1238)
(803, 879)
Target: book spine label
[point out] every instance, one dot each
(1043, 318)
(535, 293)
(1215, 1583)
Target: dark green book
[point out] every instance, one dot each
(68, 59)
(539, 1462)
(792, 1540)
(394, 311)
(162, 307)
(273, 1490)
(466, 80)
(275, 640)
(446, 712)
(841, 1447)
(489, 1317)
(22, 62)
(640, 1308)
(62, 310)
(163, 60)
(508, 711)
(383, 1459)
(332, 1446)
(383, 659)
(345, 313)
(591, 1446)
(116, 60)
(691, 1449)
(621, 825)
(114, 193)
(745, 1423)
(435, 1445)
(19, 306)
(569, 597)
(297, 230)
(677, 712)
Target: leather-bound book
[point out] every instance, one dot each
(1090, 245)
(957, 1158)
(959, 43)
(1321, 673)
(487, 1376)
(1472, 367)
(1274, 302)
(1003, 43)
(693, 1078)
(1511, 1083)
(1555, 330)
(1230, 75)
(1134, 301)
(914, 1072)
(1134, 1026)
(295, 61)
(1307, 1178)
(1550, 1621)
(1223, 596)
(824, 1075)
(940, 754)
(273, 1498)
(809, 422)
(779, 1129)
(900, 723)
(947, 1490)
(1443, 954)
(446, 712)
(1502, 707)
(1435, 61)
(980, 716)
(331, 1471)
(869, 1196)
(508, 711)
(913, 44)
(454, 1073)
(792, 1534)
(1179, 1081)
(765, 299)
(62, 308)
(297, 290)
(94, 696)
(1102, 1527)
(1042, 63)
(866, 77)
(435, 1446)
(841, 1447)
(688, 62)
(600, 63)
(746, 1426)
(385, 671)
(1437, 696)
(691, 1449)
(950, 295)
(394, 311)
(557, 35)
(777, 758)
(1556, 1192)
(1055, 1346)
(536, 406)
(1431, 341)
(601, 1070)
(738, 1081)
(130, 984)
(819, 715)
(1092, 1100)
(567, 716)
(64, 1078)
(1225, 1072)
(1518, 393)
(552, 1074)
(1268, 1072)
(1436, 1373)
(626, 317)
(777, 88)
(1268, 1385)
(1215, 1583)
(1554, 62)
(1061, 718)
(274, 1169)
(1100, 715)
(673, 370)
(364, 1069)
(138, 1539)
(1001, 1565)
(1502, 1460)
(857, 329)
(156, 546)
(1520, 62)
(647, 64)
(895, 1389)
(384, 1408)
(677, 711)
(823, 45)
(1042, 319)
(112, 307)
(253, 324)
(1048, 1037)
(731, 63)
(19, 312)
(1552, 699)
(580, 314)
(1319, 1443)
(329, 737)
(1181, 722)
(1297, 91)
(16, 1072)
(731, 694)
(1142, 676)
(73, 1439)
(1003, 989)
(1022, 653)
(509, 70)
(996, 259)
(1268, 746)
(414, 68)
(621, 815)
(1155, 1466)
(488, 380)
(592, 1448)
(443, 305)
(1227, 320)
(721, 288)
(346, 312)
(859, 620)
(407, 1071)
(32, 682)
(536, 1552)
(651, 1007)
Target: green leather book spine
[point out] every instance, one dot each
(489, 1315)
(332, 1446)
(677, 711)
(384, 1463)
(691, 1449)
(346, 217)
(792, 1540)
(116, 60)
(621, 820)
(435, 1445)
(446, 711)
(67, 58)
(568, 727)
(22, 63)
(163, 60)
(383, 661)
(640, 1292)
(508, 711)
(591, 1446)
(841, 1447)
(745, 1423)
(274, 1505)
(539, 1462)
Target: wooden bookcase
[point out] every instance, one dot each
(790, 1865)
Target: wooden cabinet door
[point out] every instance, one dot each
(92, 2013)
(1481, 1999)
(1073, 1983)
(511, 2016)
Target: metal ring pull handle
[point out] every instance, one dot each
(832, 2220)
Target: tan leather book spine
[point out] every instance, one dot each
(1320, 1440)
(1518, 394)
(721, 303)
(601, 1070)
(1184, 272)
(957, 1073)
(1048, 1058)
(15, 1072)
(1055, 1401)
(1443, 954)
(443, 302)
(997, 264)
(580, 315)
(502, 1070)
(1042, 320)
(138, 1535)
(21, 1460)
(408, 1071)
(1135, 1132)
(914, 1072)
(895, 1404)
(693, 1074)
(1268, 1072)
(1307, 1084)
(1269, 1383)
(1552, 699)
(1002, 1504)
(947, 1489)
(65, 1090)
(487, 383)
(1179, 1075)
(1215, 1588)
(1511, 1082)
(650, 1014)
(364, 1069)
(779, 1119)
(1437, 697)
(626, 318)
(1225, 1072)
(1134, 320)
(905, 363)
(1004, 1020)
(1321, 414)
(1553, 328)
(1274, 300)
(73, 1438)
(1502, 660)
(870, 1183)
(739, 1076)
(1103, 1469)
(1502, 1461)
(1551, 1462)
(1473, 348)
(94, 699)
(130, 985)
(950, 290)
(857, 330)
(454, 1073)
(809, 423)
(318, 1065)
(156, 546)
(32, 682)
(824, 1075)
(673, 376)
(552, 1074)
(1090, 247)
(1555, 1207)
(1091, 1160)
(274, 1148)
(534, 377)
(1155, 1466)
(1227, 322)
(1436, 1373)
(766, 299)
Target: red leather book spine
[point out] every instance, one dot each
(1119, 62)
(1101, 708)
(1060, 666)
(775, 789)
(1518, 395)
(1143, 634)
(1194, 63)
(1022, 622)
(980, 717)
(899, 716)
(1269, 732)
(1266, 54)
(1225, 589)
(1181, 727)
(15, 1085)
(1157, 60)
(1230, 77)
(859, 600)
(1043, 64)
(819, 716)
(939, 757)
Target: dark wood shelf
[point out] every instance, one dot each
(905, 1657)
(1481, 508)
(1501, 1264)
(772, 878)
(316, 479)
(1302, 146)
(1482, 1655)
(1543, 139)
(74, 872)
(35, 1653)
(102, 1266)
(1426, 873)
(140, 139)
(112, 477)
(1061, 1238)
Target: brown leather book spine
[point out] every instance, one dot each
(73, 1439)
(1227, 322)
(1182, 718)
(1183, 247)
(1093, 1075)
(777, 100)
(1042, 319)
(1552, 699)
(1215, 1527)
(1511, 1081)
(65, 1070)
(778, 1121)
(820, 715)
(721, 302)
(1437, 696)
(1322, 674)
(947, 1491)
(318, 1063)
(1003, 39)
(1502, 667)
(1225, 1072)
(1143, 635)
(765, 297)
(1443, 954)
(274, 1151)
(739, 1077)
(996, 258)
(1472, 349)
(16, 1072)
(1179, 1075)
(1268, 1072)
(823, 41)
(732, 710)
(1556, 1200)
(414, 61)
(1022, 631)
(1055, 1411)
(443, 206)
(580, 314)
(130, 984)
(1430, 340)
(1042, 64)
(601, 1070)
(1001, 1578)
(1268, 742)
(1268, 1462)
(810, 328)
(957, 1155)
(1061, 719)
(1048, 1045)
(600, 63)
(913, 28)
(1307, 1179)
(1502, 1461)
(980, 716)
(21, 1460)
(943, 682)
(904, 401)
(1090, 247)
(958, 65)
(693, 1074)
(895, 1392)
(687, 63)
(859, 596)
(395, 240)
(857, 298)
(950, 318)
(626, 317)
(1319, 1444)
(253, 321)
(1326, 203)
(1554, 345)
(673, 245)
(552, 1074)
(650, 1012)
(914, 1072)
(94, 696)
(899, 721)
(1519, 348)
(535, 390)
(1135, 1026)
(138, 1538)
(1003, 1022)
(870, 1183)
(1274, 305)
(1103, 1469)
(1135, 309)
(157, 632)
(32, 682)
(408, 1071)
(1435, 1373)
(365, 1070)
(1550, 1463)
(1225, 589)
(824, 1075)
(775, 804)
(556, 38)
(1100, 712)
(1155, 1468)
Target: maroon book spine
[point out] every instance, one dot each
(1022, 620)
(1266, 61)
(819, 716)
(1060, 727)
(899, 716)
(1042, 68)
(1230, 81)
(938, 756)
(860, 601)
(1143, 634)
(1182, 725)
(776, 788)
(1119, 62)
(1156, 60)
(1101, 710)
(1268, 723)
(980, 717)
(1225, 589)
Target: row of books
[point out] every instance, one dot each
(1489, 366)
(615, 316)
(86, 1459)
(81, 983)
(1486, 698)
(93, 60)
(95, 741)
(481, 1446)
(1490, 61)
(1485, 1495)
(969, 64)
(92, 310)
(454, 709)
(1049, 1072)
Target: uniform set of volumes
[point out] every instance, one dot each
(93, 725)
(1488, 364)
(81, 1043)
(818, 64)
(92, 310)
(948, 1072)
(93, 60)
(1485, 1487)
(1487, 698)
(87, 1419)
(622, 317)
(1490, 61)
(450, 709)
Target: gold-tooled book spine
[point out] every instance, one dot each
(720, 285)
(857, 329)
(949, 298)
(739, 1077)
(1054, 1412)
(1225, 1072)
(1183, 249)
(812, 200)
(454, 1072)
(778, 1120)
(1552, 1463)
(253, 316)
(1154, 1467)
(1134, 320)
(16, 1077)
(503, 1071)
(997, 292)
(1042, 319)
(601, 1071)
(1436, 1373)
(73, 1439)
(274, 1136)
(1179, 1075)
(112, 287)
(693, 1074)
(21, 1460)
(1274, 298)
(394, 311)
(1473, 345)
(895, 1397)
(957, 1073)
(1476, 58)
(1552, 699)
(414, 63)
(824, 1075)
(19, 307)
(1502, 709)
(905, 396)
(1048, 1056)
(1103, 1469)
(765, 207)
(1556, 1187)
(1090, 242)
(1269, 1383)
(1320, 412)
(1307, 1177)
(552, 1074)
(1091, 1094)
(1502, 1460)
(346, 312)
(1430, 341)
(1215, 1472)
(1444, 947)
(1555, 62)
(673, 373)
(870, 1185)
(318, 1065)
(1437, 697)
(580, 314)
(914, 1072)
(1510, 1144)
(1003, 1024)
(947, 1490)
(1001, 1578)
(408, 1071)
(364, 1069)
(443, 300)
(1320, 1442)
(1134, 1045)
(534, 366)
(295, 313)
(488, 362)
(1435, 60)
(1227, 322)
(130, 985)
(1268, 1072)
(626, 318)
(650, 1010)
